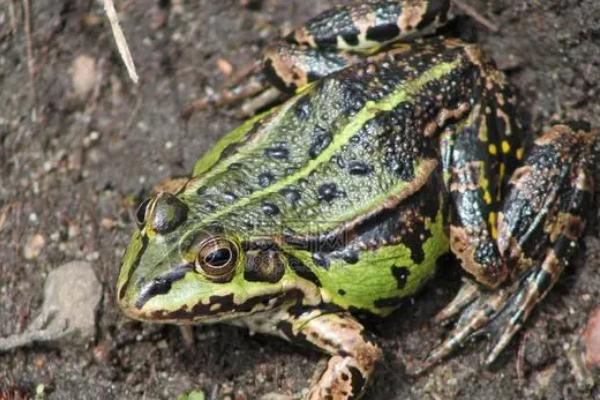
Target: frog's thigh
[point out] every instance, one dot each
(366, 27)
(544, 216)
(353, 353)
(473, 207)
(344, 36)
(542, 219)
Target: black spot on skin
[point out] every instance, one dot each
(358, 168)
(321, 260)
(303, 271)
(210, 207)
(351, 39)
(162, 284)
(383, 33)
(341, 292)
(230, 197)
(270, 208)
(286, 328)
(277, 153)
(328, 192)
(358, 380)
(291, 195)
(339, 161)
(351, 257)
(265, 179)
(389, 302)
(320, 140)
(234, 166)
(544, 281)
(401, 274)
(275, 79)
(303, 108)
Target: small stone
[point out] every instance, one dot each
(34, 246)
(101, 352)
(84, 75)
(224, 66)
(71, 297)
(108, 223)
(39, 361)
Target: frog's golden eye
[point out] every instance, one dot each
(140, 214)
(217, 258)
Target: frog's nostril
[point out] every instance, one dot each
(168, 212)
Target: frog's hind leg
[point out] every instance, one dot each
(542, 219)
(346, 35)
(330, 42)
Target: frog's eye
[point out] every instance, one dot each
(217, 258)
(140, 214)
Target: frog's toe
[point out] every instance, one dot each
(468, 292)
(496, 314)
(477, 309)
(531, 289)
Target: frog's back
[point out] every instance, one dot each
(338, 149)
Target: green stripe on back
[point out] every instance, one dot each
(369, 111)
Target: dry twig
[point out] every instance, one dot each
(30, 59)
(109, 8)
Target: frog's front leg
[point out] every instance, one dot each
(353, 353)
(542, 220)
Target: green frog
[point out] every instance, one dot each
(391, 150)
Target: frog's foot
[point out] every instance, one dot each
(497, 314)
(353, 353)
(542, 220)
(254, 93)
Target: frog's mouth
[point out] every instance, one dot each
(172, 291)
(168, 306)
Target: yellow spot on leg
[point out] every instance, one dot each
(492, 220)
(487, 197)
(493, 149)
(505, 146)
(520, 153)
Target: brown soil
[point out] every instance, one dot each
(71, 169)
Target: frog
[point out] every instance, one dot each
(394, 147)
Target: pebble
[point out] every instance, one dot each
(34, 246)
(84, 76)
(72, 294)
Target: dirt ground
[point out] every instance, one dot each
(75, 158)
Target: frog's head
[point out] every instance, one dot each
(178, 269)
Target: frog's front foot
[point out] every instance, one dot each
(353, 353)
(542, 220)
